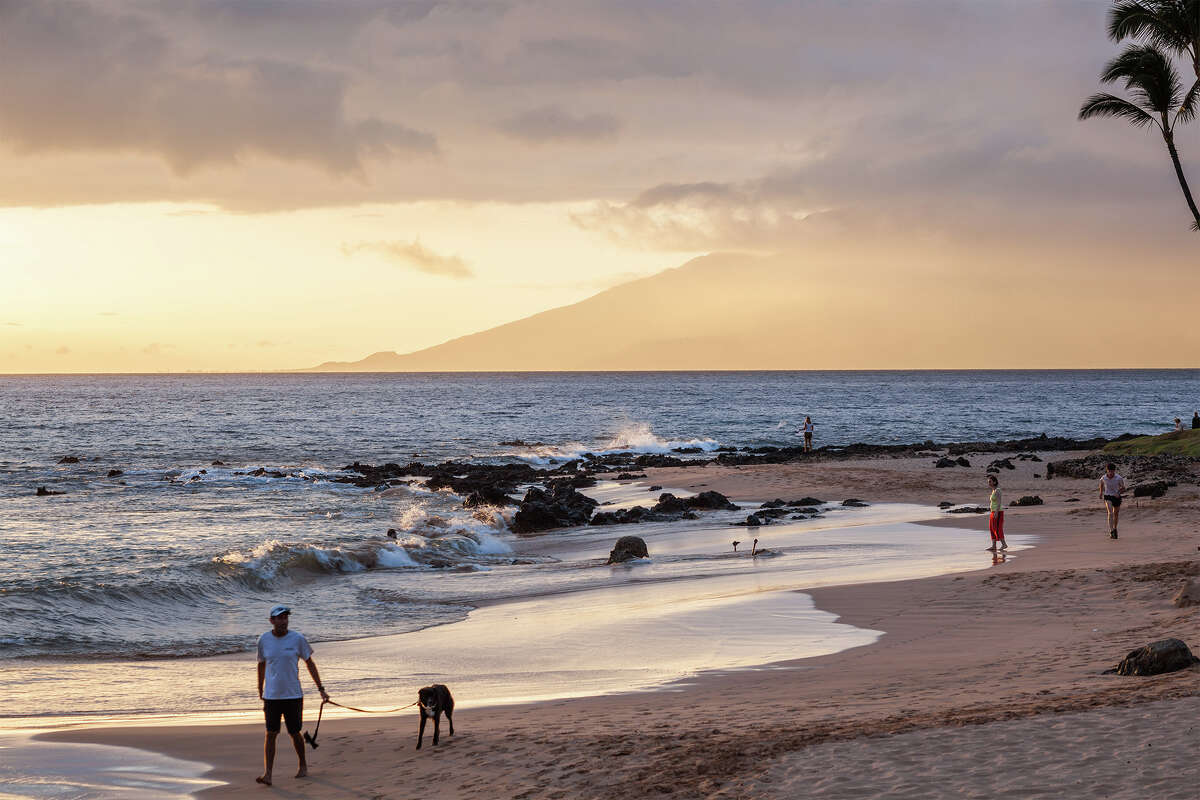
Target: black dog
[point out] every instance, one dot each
(434, 700)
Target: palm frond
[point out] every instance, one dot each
(1148, 75)
(1190, 105)
(1169, 24)
(1108, 105)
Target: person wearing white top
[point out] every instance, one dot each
(1111, 487)
(807, 430)
(279, 652)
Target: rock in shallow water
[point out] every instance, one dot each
(628, 548)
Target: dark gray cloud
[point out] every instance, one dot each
(553, 124)
(79, 76)
(745, 124)
(415, 256)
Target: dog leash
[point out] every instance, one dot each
(312, 739)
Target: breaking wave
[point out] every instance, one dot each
(635, 438)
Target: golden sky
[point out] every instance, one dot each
(270, 184)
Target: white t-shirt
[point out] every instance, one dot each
(1114, 485)
(282, 655)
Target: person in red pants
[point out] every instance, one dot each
(996, 521)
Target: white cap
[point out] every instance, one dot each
(280, 609)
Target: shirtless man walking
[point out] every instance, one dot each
(279, 654)
(1111, 487)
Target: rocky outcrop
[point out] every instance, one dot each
(559, 507)
(628, 548)
(854, 502)
(68, 460)
(624, 516)
(488, 496)
(1027, 500)
(1181, 469)
(706, 501)
(1153, 489)
(1165, 655)
(967, 510)
(999, 464)
(630, 476)
(114, 473)
(42, 491)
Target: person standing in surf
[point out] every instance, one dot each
(996, 520)
(1111, 487)
(807, 430)
(279, 654)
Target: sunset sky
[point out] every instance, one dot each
(269, 184)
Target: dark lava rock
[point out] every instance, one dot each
(581, 480)
(625, 516)
(1165, 655)
(705, 501)
(712, 501)
(628, 548)
(559, 507)
(753, 521)
(1181, 469)
(1153, 490)
(654, 489)
(630, 476)
(112, 473)
(488, 496)
(1027, 457)
(855, 503)
(258, 473)
(962, 462)
(806, 501)
(670, 504)
(1027, 500)
(773, 504)
(42, 491)
(968, 510)
(68, 460)
(992, 470)
(217, 464)
(945, 504)
(944, 462)
(1071, 500)
(772, 513)
(1042, 442)
(687, 450)
(1001, 463)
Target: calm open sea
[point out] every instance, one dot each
(177, 556)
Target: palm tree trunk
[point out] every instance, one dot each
(1183, 184)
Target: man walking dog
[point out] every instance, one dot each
(279, 650)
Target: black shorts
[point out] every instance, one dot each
(291, 710)
(1113, 499)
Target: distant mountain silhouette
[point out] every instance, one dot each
(735, 311)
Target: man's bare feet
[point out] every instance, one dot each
(991, 549)
(263, 779)
(303, 773)
(1004, 545)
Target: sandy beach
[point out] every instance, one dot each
(984, 684)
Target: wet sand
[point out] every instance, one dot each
(1002, 663)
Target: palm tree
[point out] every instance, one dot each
(1170, 25)
(1158, 101)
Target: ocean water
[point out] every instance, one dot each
(180, 557)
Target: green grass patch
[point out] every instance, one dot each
(1183, 443)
